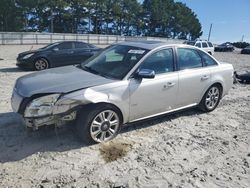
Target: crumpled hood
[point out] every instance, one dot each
(58, 80)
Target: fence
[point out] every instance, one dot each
(46, 38)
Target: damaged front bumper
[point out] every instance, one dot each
(57, 120)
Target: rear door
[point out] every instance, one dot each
(153, 96)
(193, 77)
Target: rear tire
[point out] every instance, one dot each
(211, 98)
(98, 124)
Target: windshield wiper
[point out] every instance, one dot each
(89, 69)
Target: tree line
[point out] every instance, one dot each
(159, 18)
(241, 44)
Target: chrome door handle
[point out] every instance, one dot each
(205, 77)
(169, 84)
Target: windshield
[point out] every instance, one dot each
(225, 44)
(49, 46)
(115, 61)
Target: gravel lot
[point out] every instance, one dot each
(187, 149)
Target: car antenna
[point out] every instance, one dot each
(31, 48)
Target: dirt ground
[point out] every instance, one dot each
(186, 149)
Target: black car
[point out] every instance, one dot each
(246, 50)
(57, 54)
(225, 47)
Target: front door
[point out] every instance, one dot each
(63, 54)
(82, 52)
(153, 96)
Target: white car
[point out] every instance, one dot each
(202, 44)
(126, 82)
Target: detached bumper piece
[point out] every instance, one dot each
(243, 78)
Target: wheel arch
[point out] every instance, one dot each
(95, 105)
(213, 84)
(220, 85)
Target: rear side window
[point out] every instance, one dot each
(81, 45)
(210, 44)
(198, 44)
(204, 45)
(161, 61)
(65, 46)
(207, 60)
(188, 59)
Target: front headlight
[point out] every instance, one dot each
(28, 56)
(41, 106)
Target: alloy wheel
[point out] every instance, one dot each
(104, 126)
(41, 64)
(212, 97)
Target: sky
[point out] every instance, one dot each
(230, 19)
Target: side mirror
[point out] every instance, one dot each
(145, 73)
(55, 49)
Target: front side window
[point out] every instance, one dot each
(161, 61)
(204, 45)
(49, 46)
(65, 46)
(115, 61)
(188, 58)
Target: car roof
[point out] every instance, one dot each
(149, 45)
(59, 42)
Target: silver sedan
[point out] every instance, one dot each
(126, 82)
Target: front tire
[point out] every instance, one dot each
(211, 98)
(98, 124)
(41, 64)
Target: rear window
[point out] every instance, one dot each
(210, 44)
(204, 45)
